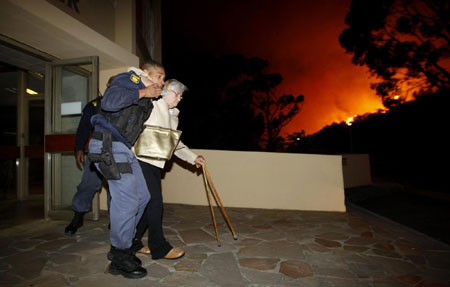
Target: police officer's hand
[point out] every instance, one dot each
(79, 157)
(152, 91)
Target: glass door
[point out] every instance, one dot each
(70, 85)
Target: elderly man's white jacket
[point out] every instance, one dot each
(162, 116)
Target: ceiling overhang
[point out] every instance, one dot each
(40, 25)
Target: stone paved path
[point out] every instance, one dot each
(274, 248)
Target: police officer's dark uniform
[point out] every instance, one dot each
(117, 127)
(91, 180)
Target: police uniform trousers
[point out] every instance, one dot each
(152, 217)
(129, 195)
(91, 182)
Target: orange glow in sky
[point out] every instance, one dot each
(300, 41)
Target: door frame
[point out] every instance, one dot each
(52, 154)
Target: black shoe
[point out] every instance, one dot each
(123, 263)
(76, 223)
(113, 252)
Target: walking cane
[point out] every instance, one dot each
(211, 189)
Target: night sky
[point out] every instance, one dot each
(298, 38)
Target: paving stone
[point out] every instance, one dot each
(416, 259)
(316, 247)
(327, 243)
(86, 248)
(61, 258)
(409, 279)
(56, 244)
(263, 226)
(195, 236)
(303, 282)
(54, 280)
(4, 266)
(188, 265)
(222, 268)
(197, 256)
(361, 241)
(357, 249)
(356, 258)
(384, 246)
(268, 235)
(322, 260)
(432, 283)
(198, 248)
(31, 269)
(384, 253)
(363, 270)
(26, 244)
(358, 225)
(186, 279)
(106, 280)
(334, 272)
(407, 247)
(259, 263)
(49, 236)
(276, 249)
(367, 234)
(394, 266)
(6, 251)
(332, 236)
(89, 266)
(8, 279)
(340, 282)
(247, 241)
(296, 269)
(157, 271)
(258, 277)
(437, 259)
(388, 282)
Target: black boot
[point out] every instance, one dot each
(76, 223)
(112, 252)
(123, 263)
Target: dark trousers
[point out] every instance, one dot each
(91, 182)
(152, 217)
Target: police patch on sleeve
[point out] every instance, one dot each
(135, 79)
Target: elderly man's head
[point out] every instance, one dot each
(173, 92)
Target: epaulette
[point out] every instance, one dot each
(135, 78)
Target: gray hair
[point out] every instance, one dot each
(173, 85)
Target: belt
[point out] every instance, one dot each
(99, 136)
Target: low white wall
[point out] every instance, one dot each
(261, 180)
(258, 180)
(356, 169)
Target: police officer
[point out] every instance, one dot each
(91, 180)
(125, 107)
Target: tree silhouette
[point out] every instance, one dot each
(231, 103)
(403, 42)
(277, 111)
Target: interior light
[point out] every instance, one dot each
(31, 92)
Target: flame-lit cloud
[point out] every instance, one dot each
(298, 38)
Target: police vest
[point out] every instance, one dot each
(130, 120)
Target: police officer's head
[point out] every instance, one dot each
(155, 70)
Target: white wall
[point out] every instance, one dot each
(259, 180)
